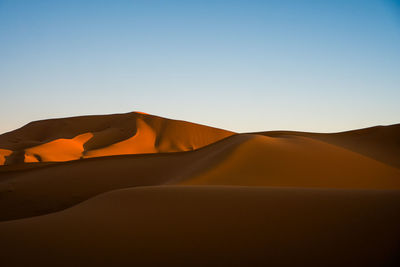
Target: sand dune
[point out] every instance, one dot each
(299, 162)
(144, 141)
(213, 226)
(136, 189)
(34, 191)
(131, 133)
(381, 142)
(248, 160)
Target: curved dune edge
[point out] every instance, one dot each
(142, 142)
(140, 112)
(72, 149)
(42, 190)
(247, 199)
(104, 135)
(379, 142)
(299, 162)
(182, 225)
(246, 160)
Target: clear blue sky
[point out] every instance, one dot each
(241, 65)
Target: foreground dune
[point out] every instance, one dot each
(95, 136)
(213, 226)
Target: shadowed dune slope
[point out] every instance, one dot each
(299, 162)
(380, 142)
(94, 136)
(248, 160)
(97, 191)
(212, 226)
(33, 191)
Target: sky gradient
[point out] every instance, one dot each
(240, 65)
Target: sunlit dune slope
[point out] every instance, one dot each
(58, 150)
(3, 154)
(39, 190)
(380, 142)
(212, 226)
(149, 191)
(247, 160)
(94, 136)
(299, 162)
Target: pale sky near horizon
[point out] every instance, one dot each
(240, 65)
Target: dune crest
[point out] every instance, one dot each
(139, 112)
(143, 141)
(296, 161)
(117, 134)
(378, 142)
(272, 198)
(240, 160)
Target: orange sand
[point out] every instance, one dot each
(106, 135)
(136, 189)
(72, 149)
(3, 154)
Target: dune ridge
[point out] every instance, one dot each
(379, 142)
(143, 141)
(116, 134)
(136, 189)
(241, 160)
(280, 161)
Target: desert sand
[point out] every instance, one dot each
(136, 189)
(104, 135)
(213, 226)
(379, 142)
(3, 154)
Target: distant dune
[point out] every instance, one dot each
(280, 161)
(136, 189)
(380, 142)
(105, 135)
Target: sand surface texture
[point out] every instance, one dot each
(136, 189)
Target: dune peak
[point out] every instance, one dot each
(81, 137)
